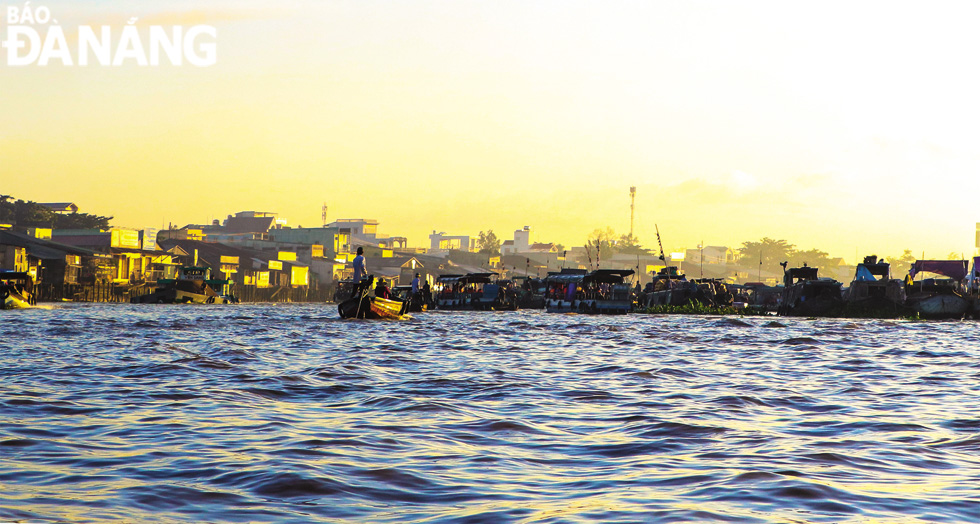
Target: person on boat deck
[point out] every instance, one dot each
(382, 290)
(415, 288)
(360, 271)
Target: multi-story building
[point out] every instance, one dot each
(443, 242)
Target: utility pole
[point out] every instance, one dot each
(632, 206)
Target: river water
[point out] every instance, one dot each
(284, 413)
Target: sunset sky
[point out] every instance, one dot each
(852, 127)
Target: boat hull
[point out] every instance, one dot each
(813, 298)
(14, 300)
(940, 306)
(668, 297)
(372, 308)
(177, 296)
(589, 306)
(16, 290)
(455, 304)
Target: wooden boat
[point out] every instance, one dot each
(509, 296)
(603, 291)
(806, 295)
(938, 298)
(669, 287)
(16, 290)
(193, 285)
(343, 291)
(873, 292)
(530, 292)
(758, 297)
(369, 307)
(472, 291)
(414, 302)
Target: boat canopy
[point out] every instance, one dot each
(599, 276)
(954, 269)
(478, 278)
(469, 278)
(869, 273)
(797, 274)
(609, 276)
(564, 278)
(16, 275)
(870, 269)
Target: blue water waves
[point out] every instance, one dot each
(284, 413)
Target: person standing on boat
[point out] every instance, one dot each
(427, 293)
(415, 297)
(360, 271)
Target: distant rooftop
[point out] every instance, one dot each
(356, 221)
(60, 207)
(237, 224)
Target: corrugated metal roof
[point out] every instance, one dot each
(42, 249)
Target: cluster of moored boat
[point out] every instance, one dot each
(571, 290)
(872, 293)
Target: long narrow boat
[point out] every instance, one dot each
(603, 291)
(668, 288)
(16, 290)
(414, 301)
(873, 291)
(467, 292)
(367, 306)
(805, 295)
(938, 298)
(193, 285)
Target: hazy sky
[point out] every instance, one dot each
(847, 126)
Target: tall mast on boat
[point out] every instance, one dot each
(662, 257)
(661, 244)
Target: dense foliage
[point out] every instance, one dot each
(30, 214)
(488, 243)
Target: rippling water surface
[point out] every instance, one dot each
(284, 413)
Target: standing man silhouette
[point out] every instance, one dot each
(360, 271)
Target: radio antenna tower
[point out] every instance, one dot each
(323, 214)
(632, 205)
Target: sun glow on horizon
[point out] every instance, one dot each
(735, 122)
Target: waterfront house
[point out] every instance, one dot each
(48, 262)
(130, 263)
